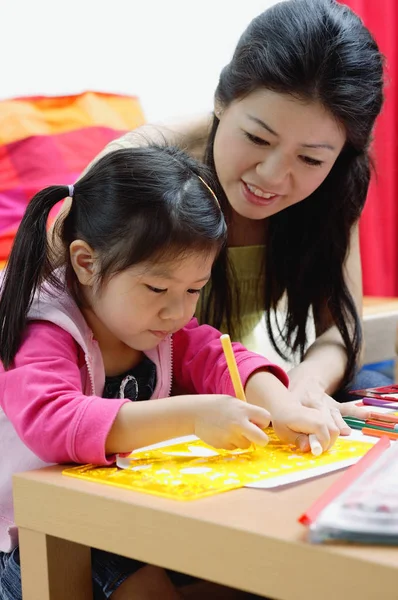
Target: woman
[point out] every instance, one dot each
(289, 146)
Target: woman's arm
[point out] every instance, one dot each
(326, 358)
(321, 372)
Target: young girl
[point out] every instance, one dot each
(289, 142)
(83, 345)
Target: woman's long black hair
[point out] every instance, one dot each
(314, 50)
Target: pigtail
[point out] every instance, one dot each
(29, 264)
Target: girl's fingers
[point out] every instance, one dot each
(302, 442)
(241, 442)
(259, 416)
(254, 434)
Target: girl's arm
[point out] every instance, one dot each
(219, 420)
(199, 364)
(42, 397)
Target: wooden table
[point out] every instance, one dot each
(380, 321)
(376, 305)
(248, 539)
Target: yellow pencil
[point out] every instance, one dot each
(232, 367)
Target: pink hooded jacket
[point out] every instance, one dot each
(51, 405)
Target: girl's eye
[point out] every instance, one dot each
(191, 291)
(312, 161)
(256, 140)
(156, 290)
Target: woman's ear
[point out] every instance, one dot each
(83, 261)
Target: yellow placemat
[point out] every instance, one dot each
(191, 470)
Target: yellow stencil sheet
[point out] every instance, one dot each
(176, 471)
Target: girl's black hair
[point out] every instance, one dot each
(134, 205)
(313, 50)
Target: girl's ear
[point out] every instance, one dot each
(83, 261)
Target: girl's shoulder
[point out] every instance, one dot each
(43, 338)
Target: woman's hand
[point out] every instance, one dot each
(310, 394)
(293, 423)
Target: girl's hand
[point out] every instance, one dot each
(293, 423)
(226, 422)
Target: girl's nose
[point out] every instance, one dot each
(173, 310)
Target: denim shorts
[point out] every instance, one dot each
(365, 378)
(10, 576)
(108, 570)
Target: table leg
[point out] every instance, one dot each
(52, 568)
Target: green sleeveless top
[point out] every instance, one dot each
(248, 264)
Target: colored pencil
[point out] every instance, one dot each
(379, 427)
(353, 420)
(384, 417)
(378, 423)
(382, 403)
(383, 398)
(233, 367)
(355, 423)
(392, 435)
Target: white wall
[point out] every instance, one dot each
(168, 52)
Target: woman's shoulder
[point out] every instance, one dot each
(189, 133)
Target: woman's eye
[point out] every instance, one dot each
(256, 140)
(312, 161)
(191, 291)
(156, 290)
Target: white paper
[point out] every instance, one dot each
(316, 471)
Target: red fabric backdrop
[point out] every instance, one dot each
(379, 224)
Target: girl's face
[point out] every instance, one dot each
(143, 304)
(272, 150)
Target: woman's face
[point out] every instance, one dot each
(272, 150)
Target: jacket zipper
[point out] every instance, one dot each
(90, 374)
(171, 365)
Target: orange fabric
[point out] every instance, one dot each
(51, 140)
(23, 117)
